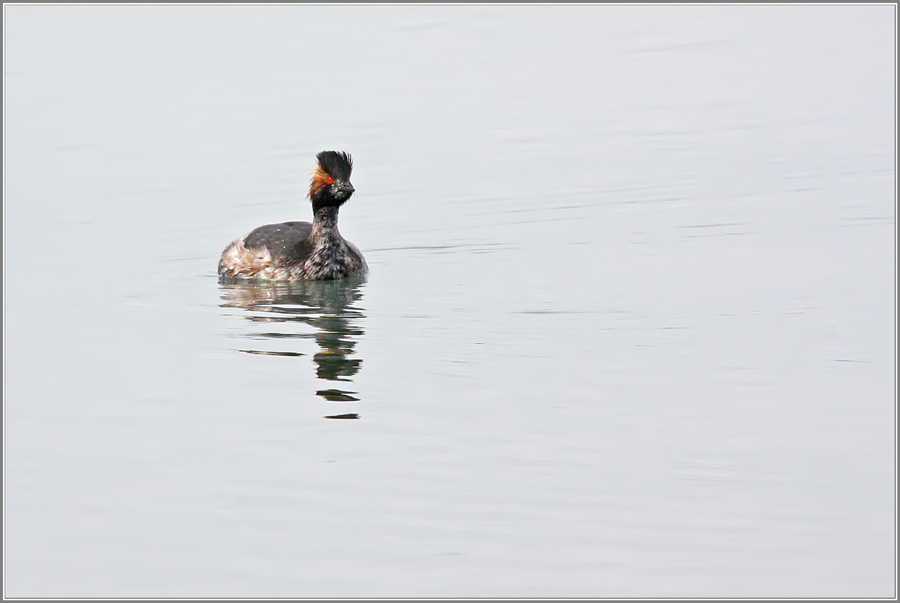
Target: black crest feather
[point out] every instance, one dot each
(337, 165)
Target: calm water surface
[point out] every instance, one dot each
(628, 330)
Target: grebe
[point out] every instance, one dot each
(295, 251)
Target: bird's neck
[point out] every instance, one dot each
(325, 222)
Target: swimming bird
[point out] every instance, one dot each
(293, 251)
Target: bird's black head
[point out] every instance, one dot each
(330, 185)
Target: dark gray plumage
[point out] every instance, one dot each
(300, 250)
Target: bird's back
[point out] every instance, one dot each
(286, 241)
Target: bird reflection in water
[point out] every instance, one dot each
(329, 307)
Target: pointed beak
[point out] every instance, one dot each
(346, 187)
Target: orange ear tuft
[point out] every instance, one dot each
(319, 179)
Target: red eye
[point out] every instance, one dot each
(330, 180)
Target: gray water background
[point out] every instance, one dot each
(628, 331)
